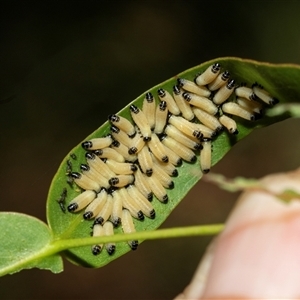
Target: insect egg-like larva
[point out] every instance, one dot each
(177, 135)
(208, 75)
(229, 124)
(97, 143)
(157, 188)
(120, 136)
(96, 205)
(110, 153)
(166, 96)
(185, 126)
(184, 152)
(105, 212)
(142, 185)
(128, 227)
(251, 106)
(121, 180)
(109, 231)
(205, 156)
(145, 161)
(94, 175)
(96, 163)
(224, 92)
(116, 212)
(245, 92)
(124, 151)
(121, 168)
(97, 231)
(131, 204)
(169, 168)
(236, 110)
(219, 81)
(263, 95)
(85, 182)
(157, 148)
(144, 203)
(161, 117)
(201, 102)
(149, 108)
(81, 201)
(190, 86)
(208, 120)
(123, 124)
(184, 107)
(137, 145)
(163, 177)
(141, 121)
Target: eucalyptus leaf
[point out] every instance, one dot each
(281, 81)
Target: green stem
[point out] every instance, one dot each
(60, 245)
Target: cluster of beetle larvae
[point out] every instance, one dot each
(138, 159)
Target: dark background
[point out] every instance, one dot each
(71, 63)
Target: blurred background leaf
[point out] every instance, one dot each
(53, 57)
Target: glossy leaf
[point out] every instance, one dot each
(282, 81)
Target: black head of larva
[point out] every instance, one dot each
(132, 150)
(113, 118)
(165, 159)
(72, 207)
(197, 134)
(152, 214)
(186, 96)
(113, 181)
(163, 105)
(147, 138)
(171, 185)
(176, 89)
(140, 215)
(87, 145)
(198, 146)
(115, 143)
(165, 199)
(96, 250)
(161, 93)
(231, 84)
(90, 155)
(116, 222)
(114, 129)
(174, 173)
(134, 245)
(75, 175)
(273, 101)
(150, 196)
(193, 159)
(88, 215)
(133, 167)
(179, 162)
(84, 167)
(111, 249)
(225, 76)
(149, 97)
(98, 221)
(98, 152)
(180, 83)
(215, 68)
(134, 109)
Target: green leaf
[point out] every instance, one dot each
(23, 239)
(281, 81)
